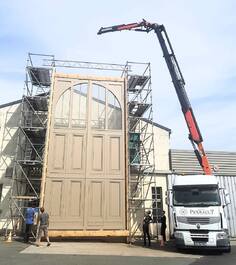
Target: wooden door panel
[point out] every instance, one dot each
(95, 202)
(76, 154)
(114, 154)
(57, 151)
(115, 207)
(75, 199)
(65, 203)
(97, 150)
(54, 197)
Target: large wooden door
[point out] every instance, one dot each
(85, 180)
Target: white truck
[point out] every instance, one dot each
(196, 204)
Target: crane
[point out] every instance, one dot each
(195, 136)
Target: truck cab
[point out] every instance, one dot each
(197, 207)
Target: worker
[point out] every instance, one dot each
(43, 226)
(163, 229)
(146, 222)
(29, 221)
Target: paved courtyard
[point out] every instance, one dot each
(104, 249)
(100, 253)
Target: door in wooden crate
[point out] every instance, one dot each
(85, 182)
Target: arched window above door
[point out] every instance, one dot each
(98, 107)
(105, 109)
(114, 117)
(72, 109)
(62, 111)
(79, 106)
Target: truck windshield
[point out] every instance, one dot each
(196, 196)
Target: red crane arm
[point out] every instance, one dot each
(178, 81)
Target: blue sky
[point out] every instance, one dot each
(202, 34)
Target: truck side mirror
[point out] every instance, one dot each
(227, 197)
(167, 198)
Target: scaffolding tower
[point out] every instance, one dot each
(141, 163)
(31, 132)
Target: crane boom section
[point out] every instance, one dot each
(178, 81)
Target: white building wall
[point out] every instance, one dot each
(161, 149)
(162, 168)
(9, 120)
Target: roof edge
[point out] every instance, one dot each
(157, 125)
(10, 103)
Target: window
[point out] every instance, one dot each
(157, 204)
(114, 112)
(72, 108)
(98, 107)
(79, 108)
(134, 148)
(196, 196)
(62, 111)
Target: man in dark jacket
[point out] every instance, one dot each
(146, 221)
(163, 228)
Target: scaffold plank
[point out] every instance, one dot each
(39, 76)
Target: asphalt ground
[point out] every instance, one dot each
(100, 253)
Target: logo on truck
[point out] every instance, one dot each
(202, 211)
(198, 226)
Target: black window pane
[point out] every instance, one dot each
(157, 204)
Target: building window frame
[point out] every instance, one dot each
(157, 203)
